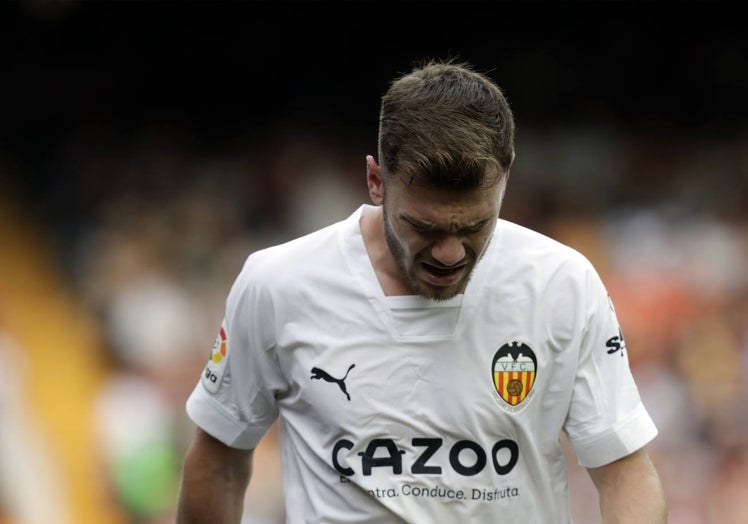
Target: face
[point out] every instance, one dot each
(436, 236)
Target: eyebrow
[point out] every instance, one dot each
(431, 227)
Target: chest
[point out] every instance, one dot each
(464, 372)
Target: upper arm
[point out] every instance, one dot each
(206, 454)
(214, 482)
(630, 490)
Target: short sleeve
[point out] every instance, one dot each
(235, 397)
(607, 419)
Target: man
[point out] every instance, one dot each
(424, 356)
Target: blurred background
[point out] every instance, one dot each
(146, 148)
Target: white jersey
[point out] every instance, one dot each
(405, 409)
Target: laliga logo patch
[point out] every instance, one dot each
(216, 367)
(514, 370)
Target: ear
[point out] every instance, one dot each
(374, 180)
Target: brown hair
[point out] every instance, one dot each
(445, 125)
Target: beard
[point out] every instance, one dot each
(417, 286)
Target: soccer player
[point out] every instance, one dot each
(423, 356)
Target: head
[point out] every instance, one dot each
(446, 143)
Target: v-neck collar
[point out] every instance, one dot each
(354, 250)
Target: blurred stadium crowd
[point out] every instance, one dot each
(165, 232)
(116, 258)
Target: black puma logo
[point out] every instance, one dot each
(324, 375)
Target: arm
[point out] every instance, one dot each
(630, 491)
(214, 482)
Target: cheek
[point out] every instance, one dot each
(398, 242)
(480, 244)
(416, 244)
(410, 244)
(416, 249)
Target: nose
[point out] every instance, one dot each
(448, 250)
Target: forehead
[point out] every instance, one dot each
(443, 207)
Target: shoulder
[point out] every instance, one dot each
(526, 247)
(296, 252)
(527, 263)
(302, 259)
(556, 281)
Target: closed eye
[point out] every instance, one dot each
(476, 228)
(421, 227)
(426, 229)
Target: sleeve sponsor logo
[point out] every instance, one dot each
(514, 371)
(216, 367)
(616, 344)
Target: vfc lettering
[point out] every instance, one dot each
(384, 453)
(515, 366)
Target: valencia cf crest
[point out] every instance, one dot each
(514, 371)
